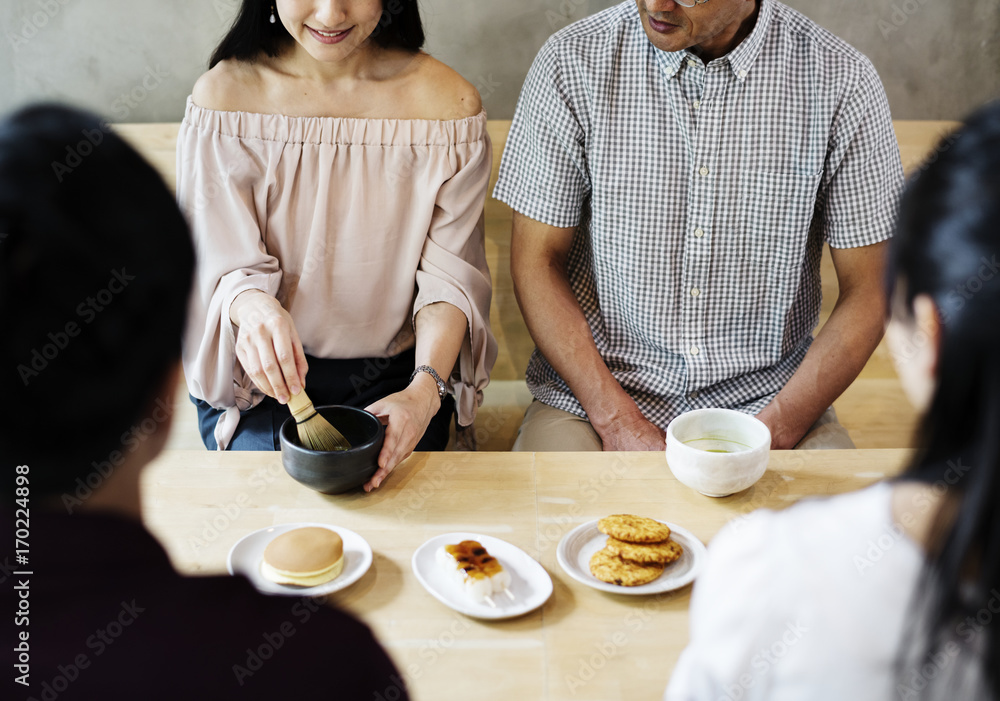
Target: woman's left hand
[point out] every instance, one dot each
(406, 415)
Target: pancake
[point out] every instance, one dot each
(303, 557)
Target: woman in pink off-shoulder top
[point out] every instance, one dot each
(334, 176)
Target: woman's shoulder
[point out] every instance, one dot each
(420, 87)
(439, 92)
(228, 87)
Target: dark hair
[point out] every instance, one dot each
(96, 263)
(252, 32)
(946, 246)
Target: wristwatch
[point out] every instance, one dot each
(442, 387)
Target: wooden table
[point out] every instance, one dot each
(583, 644)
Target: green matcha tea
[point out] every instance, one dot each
(717, 445)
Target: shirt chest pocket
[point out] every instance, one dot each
(774, 214)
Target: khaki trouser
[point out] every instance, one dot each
(547, 429)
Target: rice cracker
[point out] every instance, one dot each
(648, 553)
(633, 529)
(610, 568)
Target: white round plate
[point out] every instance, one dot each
(579, 545)
(530, 583)
(244, 558)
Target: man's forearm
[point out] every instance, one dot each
(562, 334)
(538, 255)
(837, 356)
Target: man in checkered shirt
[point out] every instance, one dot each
(674, 172)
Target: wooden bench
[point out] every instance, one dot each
(873, 409)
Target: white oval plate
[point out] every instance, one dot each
(530, 583)
(579, 545)
(244, 558)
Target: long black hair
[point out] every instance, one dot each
(253, 33)
(96, 264)
(947, 246)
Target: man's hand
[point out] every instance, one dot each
(632, 432)
(785, 434)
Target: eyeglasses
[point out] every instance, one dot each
(690, 3)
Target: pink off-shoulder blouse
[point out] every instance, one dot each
(354, 225)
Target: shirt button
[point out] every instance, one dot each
(696, 104)
(698, 233)
(670, 72)
(695, 350)
(694, 395)
(742, 74)
(692, 62)
(703, 170)
(695, 292)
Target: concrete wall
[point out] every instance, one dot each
(135, 60)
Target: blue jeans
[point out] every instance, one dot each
(357, 383)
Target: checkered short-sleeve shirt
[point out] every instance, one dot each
(702, 195)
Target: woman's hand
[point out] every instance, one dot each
(440, 330)
(406, 416)
(267, 345)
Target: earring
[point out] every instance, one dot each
(273, 20)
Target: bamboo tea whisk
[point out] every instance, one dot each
(315, 432)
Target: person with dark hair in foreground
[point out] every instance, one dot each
(892, 592)
(335, 176)
(96, 265)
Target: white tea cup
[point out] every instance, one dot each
(717, 452)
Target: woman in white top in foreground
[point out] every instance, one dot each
(892, 592)
(335, 177)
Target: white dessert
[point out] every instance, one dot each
(478, 573)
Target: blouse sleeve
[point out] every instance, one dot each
(453, 269)
(216, 179)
